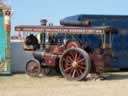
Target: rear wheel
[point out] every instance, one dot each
(75, 64)
(33, 68)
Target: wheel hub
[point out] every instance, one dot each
(74, 64)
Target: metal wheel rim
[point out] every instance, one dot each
(73, 64)
(33, 68)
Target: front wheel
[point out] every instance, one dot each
(75, 64)
(33, 68)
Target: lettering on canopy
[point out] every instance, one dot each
(61, 29)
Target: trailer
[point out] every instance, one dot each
(119, 40)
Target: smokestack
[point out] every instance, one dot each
(43, 22)
(42, 35)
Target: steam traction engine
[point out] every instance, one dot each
(75, 51)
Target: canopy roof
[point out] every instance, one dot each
(64, 29)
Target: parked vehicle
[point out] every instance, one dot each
(75, 51)
(119, 39)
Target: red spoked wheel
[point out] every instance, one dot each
(75, 64)
(33, 68)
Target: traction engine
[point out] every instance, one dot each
(73, 51)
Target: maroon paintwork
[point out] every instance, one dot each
(97, 59)
(56, 49)
(73, 59)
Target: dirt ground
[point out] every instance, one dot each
(23, 85)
